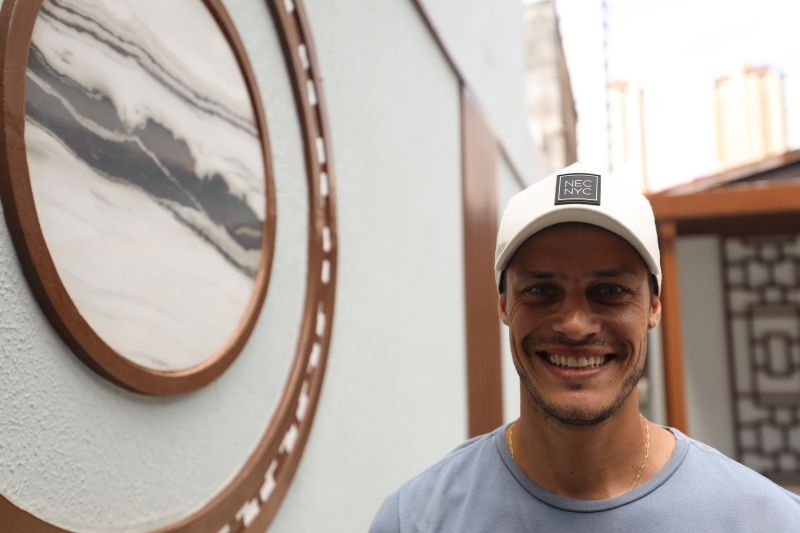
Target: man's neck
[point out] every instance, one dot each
(589, 462)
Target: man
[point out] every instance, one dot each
(578, 275)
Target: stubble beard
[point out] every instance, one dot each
(574, 415)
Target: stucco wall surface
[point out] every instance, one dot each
(83, 454)
(86, 455)
(485, 38)
(708, 399)
(394, 399)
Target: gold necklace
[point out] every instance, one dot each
(646, 451)
(641, 468)
(511, 440)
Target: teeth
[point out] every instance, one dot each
(576, 362)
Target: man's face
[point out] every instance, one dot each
(578, 306)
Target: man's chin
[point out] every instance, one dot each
(576, 411)
(574, 416)
(579, 408)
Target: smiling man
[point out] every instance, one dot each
(578, 275)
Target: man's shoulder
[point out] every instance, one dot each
(460, 464)
(731, 479)
(443, 485)
(713, 461)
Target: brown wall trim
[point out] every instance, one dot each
(480, 184)
(742, 226)
(749, 199)
(671, 328)
(12, 518)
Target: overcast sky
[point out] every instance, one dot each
(674, 50)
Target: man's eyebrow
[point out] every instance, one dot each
(550, 274)
(542, 274)
(610, 273)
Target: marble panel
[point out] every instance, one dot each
(147, 173)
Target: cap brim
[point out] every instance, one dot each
(580, 214)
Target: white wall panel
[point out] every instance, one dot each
(394, 397)
(485, 38)
(84, 454)
(704, 350)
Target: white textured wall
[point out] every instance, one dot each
(653, 400)
(82, 453)
(485, 36)
(704, 347)
(79, 452)
(394, 398)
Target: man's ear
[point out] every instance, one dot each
(654, 317)
(501, 308)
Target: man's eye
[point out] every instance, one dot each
(541, 290)
(609, 290)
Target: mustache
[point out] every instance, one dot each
(533, 343)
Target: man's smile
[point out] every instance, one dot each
(582, 357)
(568, 361)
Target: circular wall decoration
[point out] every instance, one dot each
(143, 192)
(61, 123)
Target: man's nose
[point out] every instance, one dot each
(576, 320)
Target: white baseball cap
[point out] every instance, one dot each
(578, 194)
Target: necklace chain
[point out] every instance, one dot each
(646, 451)
(641, 468)
(511, 441)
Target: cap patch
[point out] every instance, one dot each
(578, 189)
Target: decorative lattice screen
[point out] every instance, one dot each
(762, 285)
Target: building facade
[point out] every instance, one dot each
(749, 115)
(551, 106)
(628, 159)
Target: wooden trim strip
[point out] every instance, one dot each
(479, 172)
(16, 520)
(742, 226)
(746, 199)
(671, 328)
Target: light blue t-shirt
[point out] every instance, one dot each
(479, 488)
